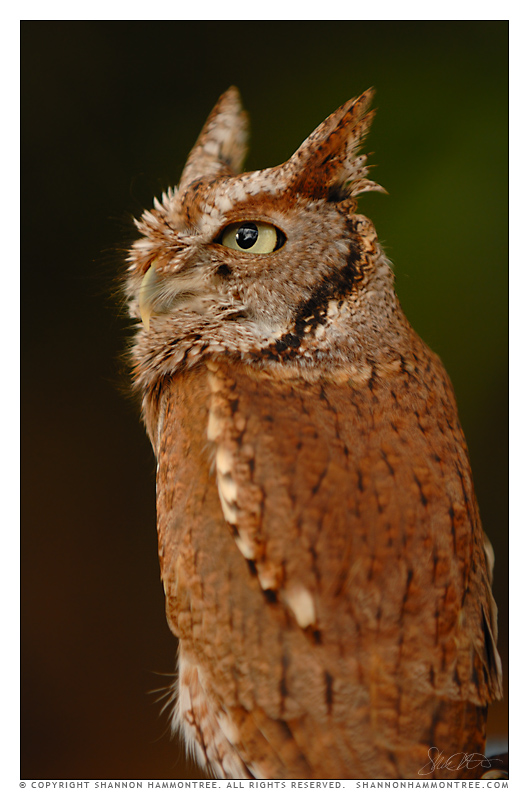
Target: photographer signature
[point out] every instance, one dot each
(437, 760)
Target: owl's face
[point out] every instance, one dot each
(258, 256)
(273, 263)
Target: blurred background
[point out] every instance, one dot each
(109, 113)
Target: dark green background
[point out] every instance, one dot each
(109, 113)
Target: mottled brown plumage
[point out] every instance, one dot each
(321, 550)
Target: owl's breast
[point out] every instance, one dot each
(317, 539)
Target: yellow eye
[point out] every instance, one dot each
(252, 237)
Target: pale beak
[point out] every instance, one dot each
(146, 296)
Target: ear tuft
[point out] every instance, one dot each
(327, 164)
(221, 147)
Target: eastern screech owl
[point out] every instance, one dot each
(322, 555)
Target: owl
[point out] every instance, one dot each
(325, 569)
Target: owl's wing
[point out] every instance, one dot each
(322, 565)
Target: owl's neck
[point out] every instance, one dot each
(348, 334)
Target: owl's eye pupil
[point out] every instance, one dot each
(254, 238)
(247, 235)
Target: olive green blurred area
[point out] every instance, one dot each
(109, 113)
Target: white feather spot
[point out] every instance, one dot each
(246, 547)
(301, 603)
(239, 191)
(229, 512)
(224, 460)
(332, 309)
(267, 581)
(227, 488)
(223, 203)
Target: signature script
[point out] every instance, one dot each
(455, 762)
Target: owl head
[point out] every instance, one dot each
(273, 266)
